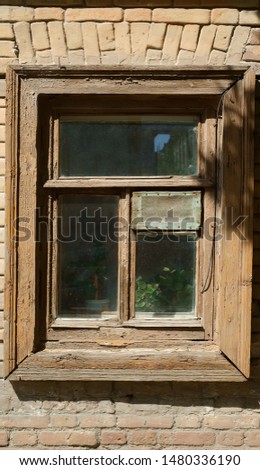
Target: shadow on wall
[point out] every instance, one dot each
(245, 395)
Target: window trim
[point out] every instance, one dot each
(189, 360)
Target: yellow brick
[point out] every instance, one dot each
(139, 37)
(217, 58)
(40, 38)
(2, 235)
(16, 13)
(2, 149)
(156, 36)
(190, 37)
(252, 54)
(90, 41)
(181, 16)
(2, 218)
(2, 133)
(4, 62)
(224, 16)
(94, 14)
(122, 41)
(205, 43)
(76, 57)
(44, 57)
(2, 183)
(106, 36)
(153, 56)
(7, 49)
(109, 58)
(23, 39)
(2, 267)
(2, 115)
(249, 17)
(238, 41)
(171, 43)
(48, 14)
(57, 39)
(6, 31)
(185, 57)
(255, 37)
(138, 14)
(223, 36)
(73, 35)
(2, 284)
(2, 201)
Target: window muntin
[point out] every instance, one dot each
(128, 145)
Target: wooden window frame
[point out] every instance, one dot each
(36, 348)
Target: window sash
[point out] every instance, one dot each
(126, 263)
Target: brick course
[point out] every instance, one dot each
(116, 36)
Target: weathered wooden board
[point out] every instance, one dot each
(236, 250)
(155, 365)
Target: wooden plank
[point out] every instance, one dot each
(131, 73)
(31, 374)
(21, 163)
(124, 255)
(11, 184)
(26, 304)
(205, 265)
(129, 333)
(134, 365)
(247, 208)
(186, 81)
(94, 183)
(235, 254)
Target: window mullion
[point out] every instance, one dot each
(124, 255)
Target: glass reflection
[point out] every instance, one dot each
(129, 146)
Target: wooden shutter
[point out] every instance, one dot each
(21, 170)
(234, 255)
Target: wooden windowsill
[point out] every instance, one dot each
(174, 364)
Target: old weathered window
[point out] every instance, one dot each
(130, 224)
(130, 252)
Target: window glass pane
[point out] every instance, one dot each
(87, 256)
(165, 274)
(128, 146)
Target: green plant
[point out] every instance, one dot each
(170, 290)
(147, 294)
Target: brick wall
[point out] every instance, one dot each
(113, 415)
(45, 36)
